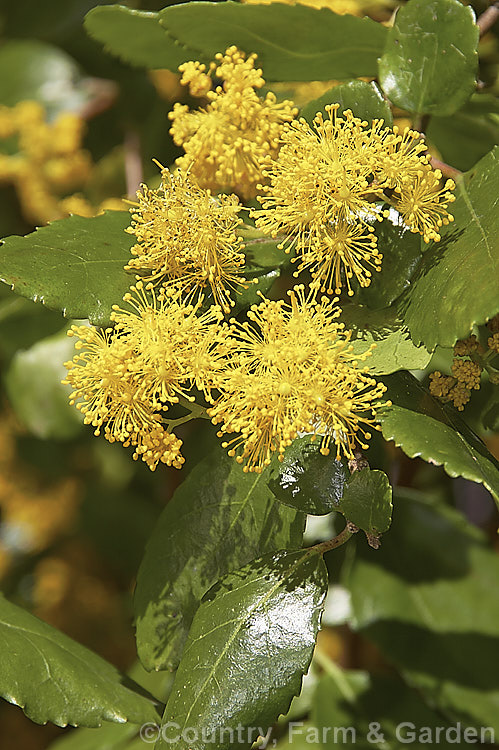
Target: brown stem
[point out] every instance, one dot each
(349, 530)
(446, 169)
(488, 18)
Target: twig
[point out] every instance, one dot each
(446, 169)
(488, 18)
(349, 530)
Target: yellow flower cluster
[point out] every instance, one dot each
(187, 237)
(45, 161)
(324, 185)
(126, 376)
(292, 372)
(226, 141)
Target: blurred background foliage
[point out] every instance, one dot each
(78, 131)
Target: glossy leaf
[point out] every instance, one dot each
(328, 45)
(469, 134)
(54, 678)
(33, 384)
(394, 349)
(107, 737)
(218, 519)
(307, 480)
(401, 256)
(134, 36)
(35, 70)
(367, 502)
(422, 426)
(74, 265)
(430, 60)
(354, 707)
(250, 643)
(442, 304)
(429, 601)
(364, 99)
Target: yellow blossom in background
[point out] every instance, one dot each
(294, 372)
(45, 161)
(106, 390)
(323, 185)
(226, 140)
(187, 237)
(341, 7)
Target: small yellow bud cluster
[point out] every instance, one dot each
(466, 373)
(226, 141)
(323, 185)
(45, 161)
(187, 237)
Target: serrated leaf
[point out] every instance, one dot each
(53, 678)
(428, 599)
(423, 426)
(250, 643)
(401, 256)
(394, 348)
(218, 519)
(469, 134)
(74, 265)
(135, 36)
(108, 737)
(364, 99)
(33, 385)
(360, 702)
(430, 60)
(35, 70)
(307, 480)
(442, 305)
(328, 46)
(367, 502)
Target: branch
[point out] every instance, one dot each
(446, 169)
(488, 18)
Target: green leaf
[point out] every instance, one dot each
(134, 36)
(360, 703)
(364, 99)
(401, 256)
(250, 643)
(33, 384)
(429, 600)
(394, 348)
(40, 71)
(54, 678)
(442, 304)
(422, 426)
(490, 416)
(367, 502)
(430, 60)
(307, 480)
(218, 519)
(465, 137)
(328, 46)
(74, 265)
